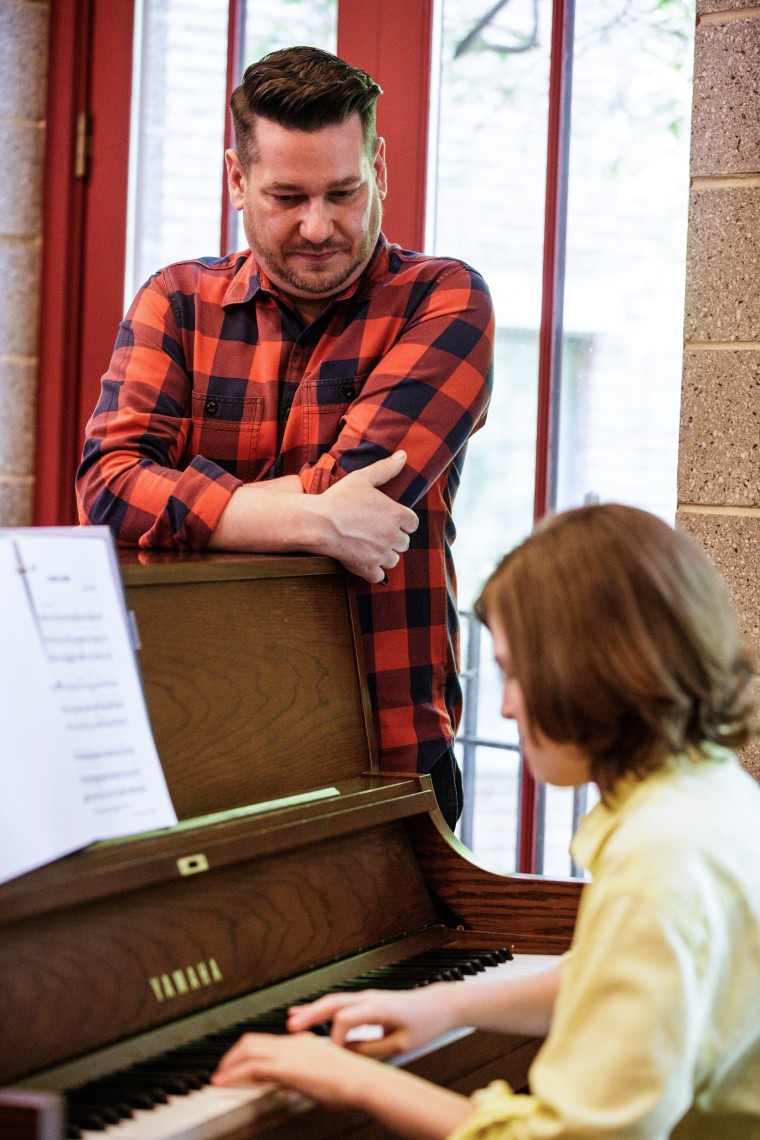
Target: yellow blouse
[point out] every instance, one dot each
(656, 1028)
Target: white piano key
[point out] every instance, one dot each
(204, 1114)
(521, 966)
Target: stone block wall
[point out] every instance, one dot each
(719, 450)
(23, 84)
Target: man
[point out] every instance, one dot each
(313, 394)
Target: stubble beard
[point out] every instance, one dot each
(324, 280)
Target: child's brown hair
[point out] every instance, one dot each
(622, 637)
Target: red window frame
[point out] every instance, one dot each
(85, 218)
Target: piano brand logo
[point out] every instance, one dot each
(182, 981)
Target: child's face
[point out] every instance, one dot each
(564, 765)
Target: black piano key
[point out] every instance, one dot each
(460, 968)
(174, 1082)
(90, 1121)
(106, 1104)
(426, 972)
(163, 1085)
(192, 1060)
(502, 955)
(441, 960)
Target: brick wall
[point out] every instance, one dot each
(719, 451)
(23, 76)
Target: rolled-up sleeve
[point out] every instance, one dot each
(132, 476)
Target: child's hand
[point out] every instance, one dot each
(404, 1019)
(303, 1062)
(339, 1079)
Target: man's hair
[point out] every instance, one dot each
(623, 640)
(302, 88)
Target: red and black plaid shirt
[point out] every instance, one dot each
(215, 380)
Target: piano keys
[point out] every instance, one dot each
(168, 1093)
(295, 866)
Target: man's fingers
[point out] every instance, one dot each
(367, 529)
(382, 470)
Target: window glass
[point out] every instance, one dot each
(274, 24)
(177, 137)
(178, 117)
(625, 268)
(488, 208)
(626, 252)
(488, 752)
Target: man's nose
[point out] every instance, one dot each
(316, 221)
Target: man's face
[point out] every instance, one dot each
(311, 205)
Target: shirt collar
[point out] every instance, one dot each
(595, 828)
(250, 279)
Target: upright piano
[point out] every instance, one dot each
(296, 867)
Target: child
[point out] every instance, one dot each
(622, 665)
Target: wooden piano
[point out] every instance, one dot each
(295, 867)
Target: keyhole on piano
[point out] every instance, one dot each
(192, 864)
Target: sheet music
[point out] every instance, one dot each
(79, 759)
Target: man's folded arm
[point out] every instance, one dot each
(427, 395)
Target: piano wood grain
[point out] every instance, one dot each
(538, 912)
(252, 676)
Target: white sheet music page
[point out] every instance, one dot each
(79, 758)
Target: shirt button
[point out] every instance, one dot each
(286, 411)
(212, 407)
(348, 391)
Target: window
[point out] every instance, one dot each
(177, 136)
(177, 187)
(618, 385)
(618, 180)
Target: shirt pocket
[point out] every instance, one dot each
(226, 431)
(324, 407)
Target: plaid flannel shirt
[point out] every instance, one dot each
(215, 381)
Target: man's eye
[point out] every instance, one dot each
(342, 195)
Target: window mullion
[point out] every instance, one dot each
(235, 42)
(550, 334)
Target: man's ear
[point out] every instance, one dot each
(236, 179)
(381, 170)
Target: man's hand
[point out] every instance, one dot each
(365, 529)
(353, 520)
(406, 1018)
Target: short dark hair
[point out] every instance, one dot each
(303, 88)
(623, 640)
